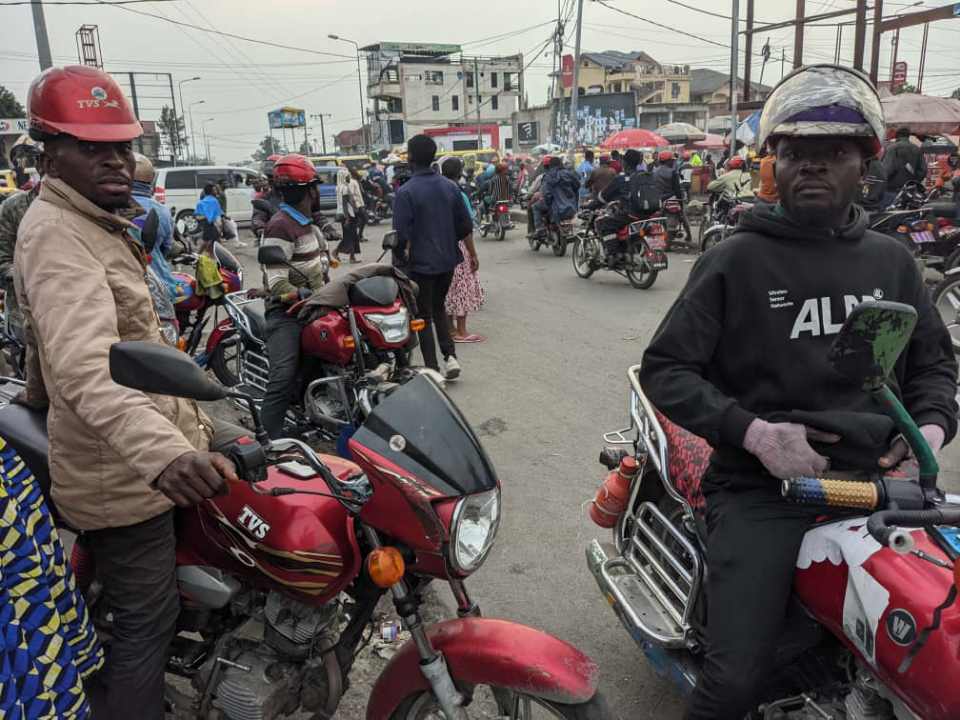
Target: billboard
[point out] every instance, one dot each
(286, 117)
(528, 133)
(566, 71)
(597, 117)
(899, 78)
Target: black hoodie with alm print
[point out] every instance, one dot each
(748, 336)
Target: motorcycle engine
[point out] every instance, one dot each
(276, 666)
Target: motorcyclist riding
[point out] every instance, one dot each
(616, 196)
(735, 183)
(560, 195)
(668, 183)
(293, 229)
(265, 206)
(741, 360)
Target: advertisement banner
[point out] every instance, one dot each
(899, 78)
(9, 126)
(528, 133)
(566, 71)
(286, 117)
(597, 117)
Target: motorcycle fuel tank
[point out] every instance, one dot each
(302, 545)
(878, 603)
(328, 338)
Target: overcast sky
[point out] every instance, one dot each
(241, 80)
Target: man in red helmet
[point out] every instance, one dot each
(292, 228)
(119, 459)
(668, 184)
(735, 183)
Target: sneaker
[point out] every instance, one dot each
(238, 244)
(453, 368)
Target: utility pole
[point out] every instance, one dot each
(734, 66)
(40, 30)
(323, 133)
(575, 91)
(923, 57)
(476, 86)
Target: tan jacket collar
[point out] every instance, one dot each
(57, 192)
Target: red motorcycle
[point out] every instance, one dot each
(672, 211)
(349, 354)
(882, 595)
(279, 579)
(499, 221)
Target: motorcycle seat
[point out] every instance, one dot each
(25, 430)
(688, 457)
(379, 290)
(257, 320)
(943, 209)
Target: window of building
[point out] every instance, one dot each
(493, 79)
(508, 81)
(456, 102)
(414, 77)
(469, 79)
(394, 105)
(436, 103)
(390, 75)
(675, 90)
(494, 103)
(469, 99)
(433, 77)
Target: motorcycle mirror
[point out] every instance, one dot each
(271, 255)
(870, 341)
(148, 234)
(162, 370)
(390, 240)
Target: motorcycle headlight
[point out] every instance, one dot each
(475, 523)
(394, 327)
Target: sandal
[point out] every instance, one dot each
(471, 338)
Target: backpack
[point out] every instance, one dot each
(644, 196)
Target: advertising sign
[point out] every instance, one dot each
(528, 133)
(597, 117)
(566, 71)
(899, 78)
(9, 126)
(286, 117)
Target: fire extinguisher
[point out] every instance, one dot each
(614, 493)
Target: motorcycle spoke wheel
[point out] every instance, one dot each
(946, 298)
(640, 275)
(534, 244)
(493, 703)
(225, 362)
(580, 255)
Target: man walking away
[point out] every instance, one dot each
(903, 162)
(430, 219)
(585, 170)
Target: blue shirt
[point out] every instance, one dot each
(430, 218)
(209, 209)
(584, 170)
(164, 227)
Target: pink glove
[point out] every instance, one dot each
(900, 451)
(783, 448)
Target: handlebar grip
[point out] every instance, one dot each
(832, 493)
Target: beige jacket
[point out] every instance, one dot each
(80, 280)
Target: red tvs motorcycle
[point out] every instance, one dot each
(499, 221)
(349, 353)
(672, 211)
(643, 244)
(279, 579)
(877, 631)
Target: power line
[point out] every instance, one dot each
(662, 26)
(715, 14)
(81, 2)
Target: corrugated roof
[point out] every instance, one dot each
(704, 81)
(616, 58)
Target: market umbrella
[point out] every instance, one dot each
(634, 138)
(681, 132)
(711, 141)
(939, 144)
(923, 114)
(546, 149)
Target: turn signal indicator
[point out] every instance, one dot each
(385, 567)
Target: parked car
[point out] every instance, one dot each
(328, 189)
(180, 187)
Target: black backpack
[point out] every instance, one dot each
(644, 196)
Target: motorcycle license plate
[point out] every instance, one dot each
(657, 259)
(922, 237)
(657, 242)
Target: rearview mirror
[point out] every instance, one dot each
(870, 341)
(150, 230)
(162, 370)
(390, 240)
(271, 255)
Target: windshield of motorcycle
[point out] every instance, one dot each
(419, 429)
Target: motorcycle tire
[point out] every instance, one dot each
(422, 705)
(953, 259)
(501, 232)
(711, 238)
(642, 280)
(559, 246)
(534, 243)
(581, 263)
(186, 222)
(223, 360)
(946, 299)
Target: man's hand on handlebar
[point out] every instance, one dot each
(784, 450)
(900, 451)
(195, 476)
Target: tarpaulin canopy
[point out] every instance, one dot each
(711, 141)
(681, 132)
(923, 114)
(634, 138)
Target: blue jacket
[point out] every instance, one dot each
(561, 189)
(430, 218)
(165, 226)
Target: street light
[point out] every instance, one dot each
(363, 120)
(182, 107)
(206, 142)
(193, 140)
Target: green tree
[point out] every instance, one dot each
(10, 107)
(173, 131)
(268, 146)
(906, 88)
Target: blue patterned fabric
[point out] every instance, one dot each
(47, 643)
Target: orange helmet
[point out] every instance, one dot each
(81, 101)
(293, 169)
(665, 155)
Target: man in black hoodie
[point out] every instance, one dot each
(743, 351)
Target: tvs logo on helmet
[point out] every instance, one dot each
(98, 93)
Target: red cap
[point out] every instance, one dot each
(81, 101)
(293, 169)
(735, 163)
(665, 155)
(546, 160)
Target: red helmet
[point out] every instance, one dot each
(293, 169)
(546, 160)
(665, 155)
(686, 155)
(735, 163)
(82, 101)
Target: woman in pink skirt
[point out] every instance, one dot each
(465, 295)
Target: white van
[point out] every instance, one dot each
(180, 188)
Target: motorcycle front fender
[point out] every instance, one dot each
(484, 651)
(224, 329)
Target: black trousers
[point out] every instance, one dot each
(608, 226)
(753, 540)
(430, 308)
(283, 351)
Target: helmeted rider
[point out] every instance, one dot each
(741, 360)
(293, 229)
(668, 182)
(616, 197)
(265, 206)
(736, 183)
(560, 195)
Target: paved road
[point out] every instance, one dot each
(547, 382)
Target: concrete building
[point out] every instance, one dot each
(711, 89)
(416, 86)
(351, 142)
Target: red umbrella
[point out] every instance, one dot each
(633, 138)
